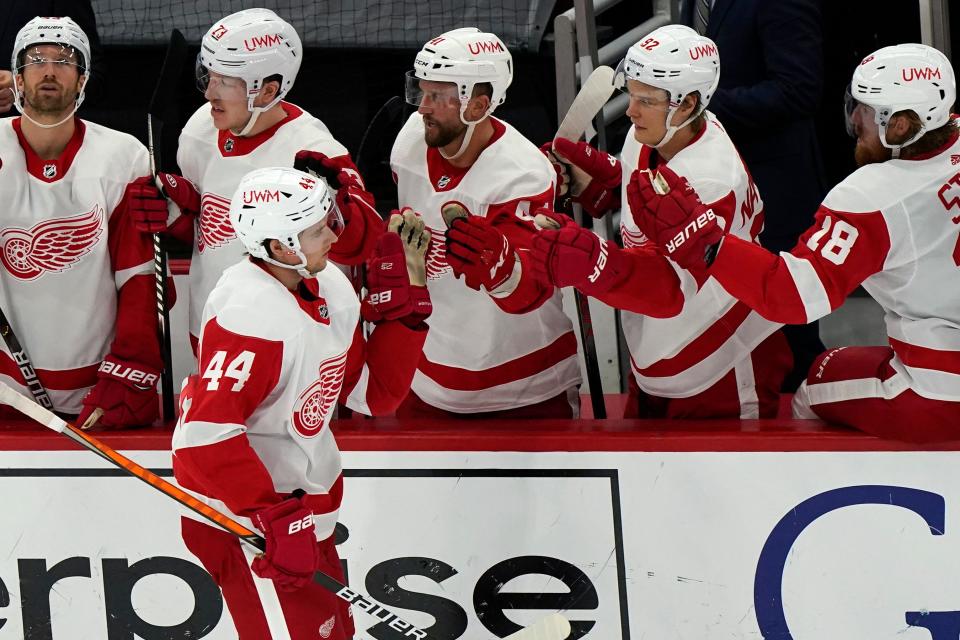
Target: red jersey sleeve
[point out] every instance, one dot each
(379, 370)
(649, 285)
(831, 259)
(237, 373)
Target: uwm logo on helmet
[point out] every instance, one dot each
(485, 46)
(703, 51)
(261, 196)
(262, 42)
(926, 73)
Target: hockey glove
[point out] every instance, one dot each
(147, 206)
(595, 176)
(356, 204)
(126, 392)
(673, 217)
(390, 296)
(480, 253)
(571, 256)
(416, 239)
(292, 553)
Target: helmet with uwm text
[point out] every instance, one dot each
(467, 57)
(252, 45)
(911, 77)
(278, 203)
(674, 58)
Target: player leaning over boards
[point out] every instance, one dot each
(495, 349)
(715, 358)
(77, 278)
(891, 226)
(280, 345)
(248, 62)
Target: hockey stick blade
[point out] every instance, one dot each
(553, 627)
(590, 99)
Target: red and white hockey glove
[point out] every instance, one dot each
(480, 253)
(593, 176)
(126, 392)
(292, 553)
(565, 254)
(146, 205)
(390, 296)
(181, 192)
(356, 204)
(676, 220)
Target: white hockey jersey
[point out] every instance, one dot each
(685, 354)
(215, 161)
(477, 356)
(66, 248)
(893, 227)
(255, 420)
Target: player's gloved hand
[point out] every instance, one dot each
(675, 219)
(356, 204)
(479, 253)
(292, 553)
(125, 392)
(6, 91)
(565, 254)
(416, 239)
(593, 175)
(390, 296)
(181, 192)
(146, 206)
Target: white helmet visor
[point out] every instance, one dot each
(437, 94)
(216, 86)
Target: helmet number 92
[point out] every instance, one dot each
(650, 44)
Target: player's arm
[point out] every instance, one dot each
(362, 224)
(638, 279)
(379, 370)
(126, 380)
(832, 258)
(214, 456)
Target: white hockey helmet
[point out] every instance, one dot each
(61, 31)
(911, 77)
(678, 60)
(277, 203)
(252, 45)
(465, 57)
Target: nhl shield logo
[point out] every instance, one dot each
(228, 145)
(443, 182)
(50, 171)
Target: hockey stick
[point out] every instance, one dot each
(554, 627)
(592, 96)
(166, 86)
(22, 360)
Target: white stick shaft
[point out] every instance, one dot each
(590, 99)
(553, 627)
(31, 409)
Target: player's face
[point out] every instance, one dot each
(228, 101)
(440, 110)
(647, 111)
(315, 243)
(864, 127)
(49, 79)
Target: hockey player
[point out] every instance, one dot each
(248, 62)
(494, 349)
(715, 358)
(280, 344)
(76, 280)
(891, 226)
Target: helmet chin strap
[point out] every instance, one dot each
(673, 129)
(19, 105)
(254, 114)
(299, 268)
(471, 126)
(895, 149)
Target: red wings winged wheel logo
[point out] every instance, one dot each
(51, 245)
